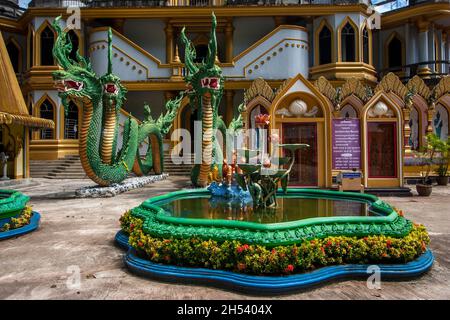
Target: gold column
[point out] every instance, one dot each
(430, 114)
(169, 42)
(407, 128)
(229, 30)
(229, 96)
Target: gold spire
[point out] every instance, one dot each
(12, 104)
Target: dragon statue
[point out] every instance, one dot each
(100, 99)
(205, 83)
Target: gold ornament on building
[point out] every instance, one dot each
(259, 87)
(391, 83)
(417, 85)
(326, 88)
(355, 87)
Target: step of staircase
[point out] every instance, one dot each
(68, 167)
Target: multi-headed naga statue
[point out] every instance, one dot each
(100, 99)
(205, 82)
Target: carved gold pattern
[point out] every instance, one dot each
(355, 87)
(259, 87)
(325, 88)
(391, 82)
(442, 88)
(417, 85)
(283, 85)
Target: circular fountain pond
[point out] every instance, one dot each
(302, 216)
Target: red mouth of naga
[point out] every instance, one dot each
(65, 85)
(111, 88)
(210, 83)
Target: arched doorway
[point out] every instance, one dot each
(300, 117)
(383, 141)
(47, 111)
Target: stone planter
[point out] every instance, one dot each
(442, 181)
(424, 190)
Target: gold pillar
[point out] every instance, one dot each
(169, 42)
(430, 115)
(407, 129)
(229, 114)
(229, 31)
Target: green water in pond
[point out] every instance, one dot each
(289, 209)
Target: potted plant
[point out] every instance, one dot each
(427, 155)
(443, 160)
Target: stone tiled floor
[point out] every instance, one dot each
(79, 233)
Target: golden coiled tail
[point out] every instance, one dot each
(207, 137)
(109, 131)
(86, 122)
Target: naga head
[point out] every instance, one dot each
(76, 80)
(205, 77)
(113, 91)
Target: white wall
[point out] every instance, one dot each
(248, 30)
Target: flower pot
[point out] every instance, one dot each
(442, 181)
(424, 190)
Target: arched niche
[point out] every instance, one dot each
(256, 106)
(382, 142)
(301, 114)
(46, 108)
(440, 121)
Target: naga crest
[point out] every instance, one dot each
(76, 80)
(204, 77)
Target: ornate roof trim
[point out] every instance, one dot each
(326, 88)
(259, 87)
(357, 88)
(391, 83)
(442, 88)
(418, 86)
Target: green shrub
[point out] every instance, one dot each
(260, 260)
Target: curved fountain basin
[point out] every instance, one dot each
(267, 285)
(383, 220)
(12, 204)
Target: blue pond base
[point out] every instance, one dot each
(33, 225)
(267, 285)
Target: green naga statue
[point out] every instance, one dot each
(205, 82)
(100, 100)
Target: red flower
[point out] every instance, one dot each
(131, 227)
(239, 249)
(322, 249)
(289, 268)
(274, 251)
(388, 243)
(246, 246)
(262, 119)
(140, 244)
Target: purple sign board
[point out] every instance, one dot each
(346, 144)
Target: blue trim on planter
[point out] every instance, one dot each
(33, 225)
(121, 240)
(267, 284)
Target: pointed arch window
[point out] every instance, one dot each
(365, 38)
(325, 45)
(395, 52)
(71, 122)
(46, 111)
(14, 55)
(348, 41)
(47, 41)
